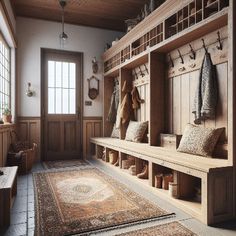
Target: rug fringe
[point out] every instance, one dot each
(171, 215)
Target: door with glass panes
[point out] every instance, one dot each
(61, 103)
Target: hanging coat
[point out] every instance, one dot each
(205, 101)
(126, 111)
(112, 110)
(136, 100)
(114, 105)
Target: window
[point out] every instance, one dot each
(61, 87)
(5, 82)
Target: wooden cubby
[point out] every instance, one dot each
(186, 17)
(193, 13)
(167, 91)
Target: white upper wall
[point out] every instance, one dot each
(32, 35)
(10, 14)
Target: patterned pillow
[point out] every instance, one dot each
(199, 140)
(136, 131)
(115, 132)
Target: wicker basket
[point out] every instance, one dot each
(23, 159)
(21, 154)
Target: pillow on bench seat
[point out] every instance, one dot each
(115, 132)
(198, 140)
(136, 131)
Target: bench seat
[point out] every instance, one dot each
(162, 156)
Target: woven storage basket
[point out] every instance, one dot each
(21, 154)
(125, 164)
(113, 156)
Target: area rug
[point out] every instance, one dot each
(87, 200)
(169, 229)
(64, 164)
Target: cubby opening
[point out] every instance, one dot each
(100, 152)
(112, 156)
(176, 184)
(210, 7)
(170, 26)
(126, 161)
(125, 54)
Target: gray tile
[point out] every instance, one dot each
(31, 232)
(31, 198)
(21, 200)
(31, 222)
(22, 192)
(16, 230)
(18, 218)
(31, 214)
(30, 206)
(30, 191)
(19, 208)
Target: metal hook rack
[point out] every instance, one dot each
(135, 74)
(193, 56)
(171, 61)
(181, 57)
(220, 46)
(141, 72)
(146, 69)
(204, 45)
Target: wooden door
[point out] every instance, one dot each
(61, 105)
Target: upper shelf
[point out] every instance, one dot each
(167, 27)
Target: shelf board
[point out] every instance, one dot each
(200, 29)
(211, 5)
(112, 72)
(136, 60)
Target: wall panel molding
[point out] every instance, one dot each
(92, 127)
(5, 141)
(28, 128)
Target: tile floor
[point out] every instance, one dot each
(22, 213)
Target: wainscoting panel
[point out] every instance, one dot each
(5, 141)
(28, 129)
(92, 127)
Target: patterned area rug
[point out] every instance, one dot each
(85, 200)
(169, 229)
(64, 164)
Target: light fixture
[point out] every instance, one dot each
(29, 91)
(63, 36)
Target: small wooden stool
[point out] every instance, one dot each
(8, 191)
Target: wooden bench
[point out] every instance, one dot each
(8, 191)
(215, 174)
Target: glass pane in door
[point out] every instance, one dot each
(61, 87)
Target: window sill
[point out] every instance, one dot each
(7, 126)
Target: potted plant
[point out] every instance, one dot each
(6, 114)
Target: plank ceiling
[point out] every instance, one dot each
(107, 14)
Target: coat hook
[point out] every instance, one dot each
(220, 46)
(140, 71)
(204, 45)
(193, 56)
(146, 68)
(181, 57)
(171, 61)
(135, 74)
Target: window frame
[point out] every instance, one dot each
(4, 42)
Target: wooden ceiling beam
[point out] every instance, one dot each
(107, 14)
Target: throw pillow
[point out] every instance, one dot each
(198, 140)
(136, 131)
(115, 132)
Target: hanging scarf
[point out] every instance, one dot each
(205, 101)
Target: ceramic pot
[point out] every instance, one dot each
(7, 119)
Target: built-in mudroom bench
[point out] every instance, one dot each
(151, 77)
